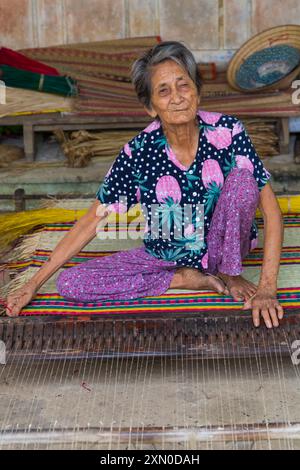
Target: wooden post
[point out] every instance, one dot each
(284, 136)
(297, 150)
(29, 144)
(19, 197)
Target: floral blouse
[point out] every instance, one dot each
(146, 171)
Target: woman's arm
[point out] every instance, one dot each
(273, 239)
(72, 243)
(265, 301)
(79, 236)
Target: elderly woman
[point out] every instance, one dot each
(199, 182)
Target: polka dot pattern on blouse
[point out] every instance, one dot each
(178, 201)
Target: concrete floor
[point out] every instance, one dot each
(183, 393)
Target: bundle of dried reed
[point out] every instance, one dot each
(20, 101)
(264, 135)
(80, 146)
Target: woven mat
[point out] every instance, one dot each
(20, 101)
(48, 302)
(102, 70)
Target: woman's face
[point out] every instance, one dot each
(174, 95)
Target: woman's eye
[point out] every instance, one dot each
(163, 91)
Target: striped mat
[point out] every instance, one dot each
(48, 302)
(102, 70)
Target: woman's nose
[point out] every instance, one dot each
(176, 97)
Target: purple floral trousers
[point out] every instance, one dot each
(135, 273)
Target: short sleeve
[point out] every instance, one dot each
(119, 189)
(245, 155)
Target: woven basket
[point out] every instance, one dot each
(285, 34)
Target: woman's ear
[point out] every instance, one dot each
(151, 112)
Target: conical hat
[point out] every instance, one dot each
(285, 34)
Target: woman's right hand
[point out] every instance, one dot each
(19, 298)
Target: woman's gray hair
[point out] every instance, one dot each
(166, 50)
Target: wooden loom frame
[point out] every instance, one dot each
(154, 435)
(202, 336)
(217, 336)
(206, 335)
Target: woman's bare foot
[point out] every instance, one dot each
(193, 279)
(239, 288)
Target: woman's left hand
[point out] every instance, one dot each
(265, 304)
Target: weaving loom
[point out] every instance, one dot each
(177, 322)
(146, 352)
